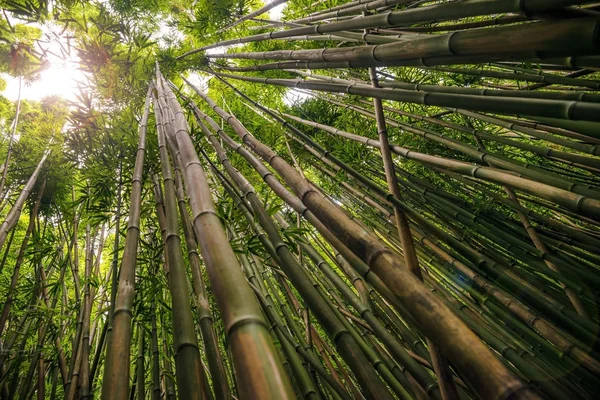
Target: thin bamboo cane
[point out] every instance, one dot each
(85, 389)
(438, 12)
(497, 176)
(351, 10)
(13, 215)
(10, 143)
(538, 108)
(116, 368)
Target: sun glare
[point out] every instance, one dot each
(59, 78)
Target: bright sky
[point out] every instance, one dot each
(62, 76)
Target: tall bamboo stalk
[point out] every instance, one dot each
(188, 367)
(245, 326)
(435, 319)
(116, 368)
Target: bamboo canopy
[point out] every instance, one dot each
(366, 199)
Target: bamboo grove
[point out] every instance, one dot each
(372, 199)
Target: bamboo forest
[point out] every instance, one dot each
(300, 199)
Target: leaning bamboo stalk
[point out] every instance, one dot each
(582, 204)
(268, 306)
(116, 368)
(585, 162)
(394, 82)
(536, 108)
(366, 313)
(438, 12)
(15, 212)
(540, 245)
(329, 320)
(586, 148)
(245, 326)
(14, 125)
(517, 40)
(8, 302)
(509, 19)
(440, 363)
(351, 10)
(558, 155)
(431, 314)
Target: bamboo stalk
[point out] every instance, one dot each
(385, 264)
(245, 326)
(116, 368)
(439, 12)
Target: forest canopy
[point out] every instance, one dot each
(368, 199)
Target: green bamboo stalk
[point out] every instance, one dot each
(522, 76)
(245, 327)
(15, 212)
(116, 368)
(329, 320)
(141, 371)
(538, 108)
(14, 125)
(517, 40)
(394, 82)
(253, 14)
(350, 10)
(406, 289)
(188, 366)
(19, 261)
(437, 12)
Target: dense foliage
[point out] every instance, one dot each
(238, 209)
